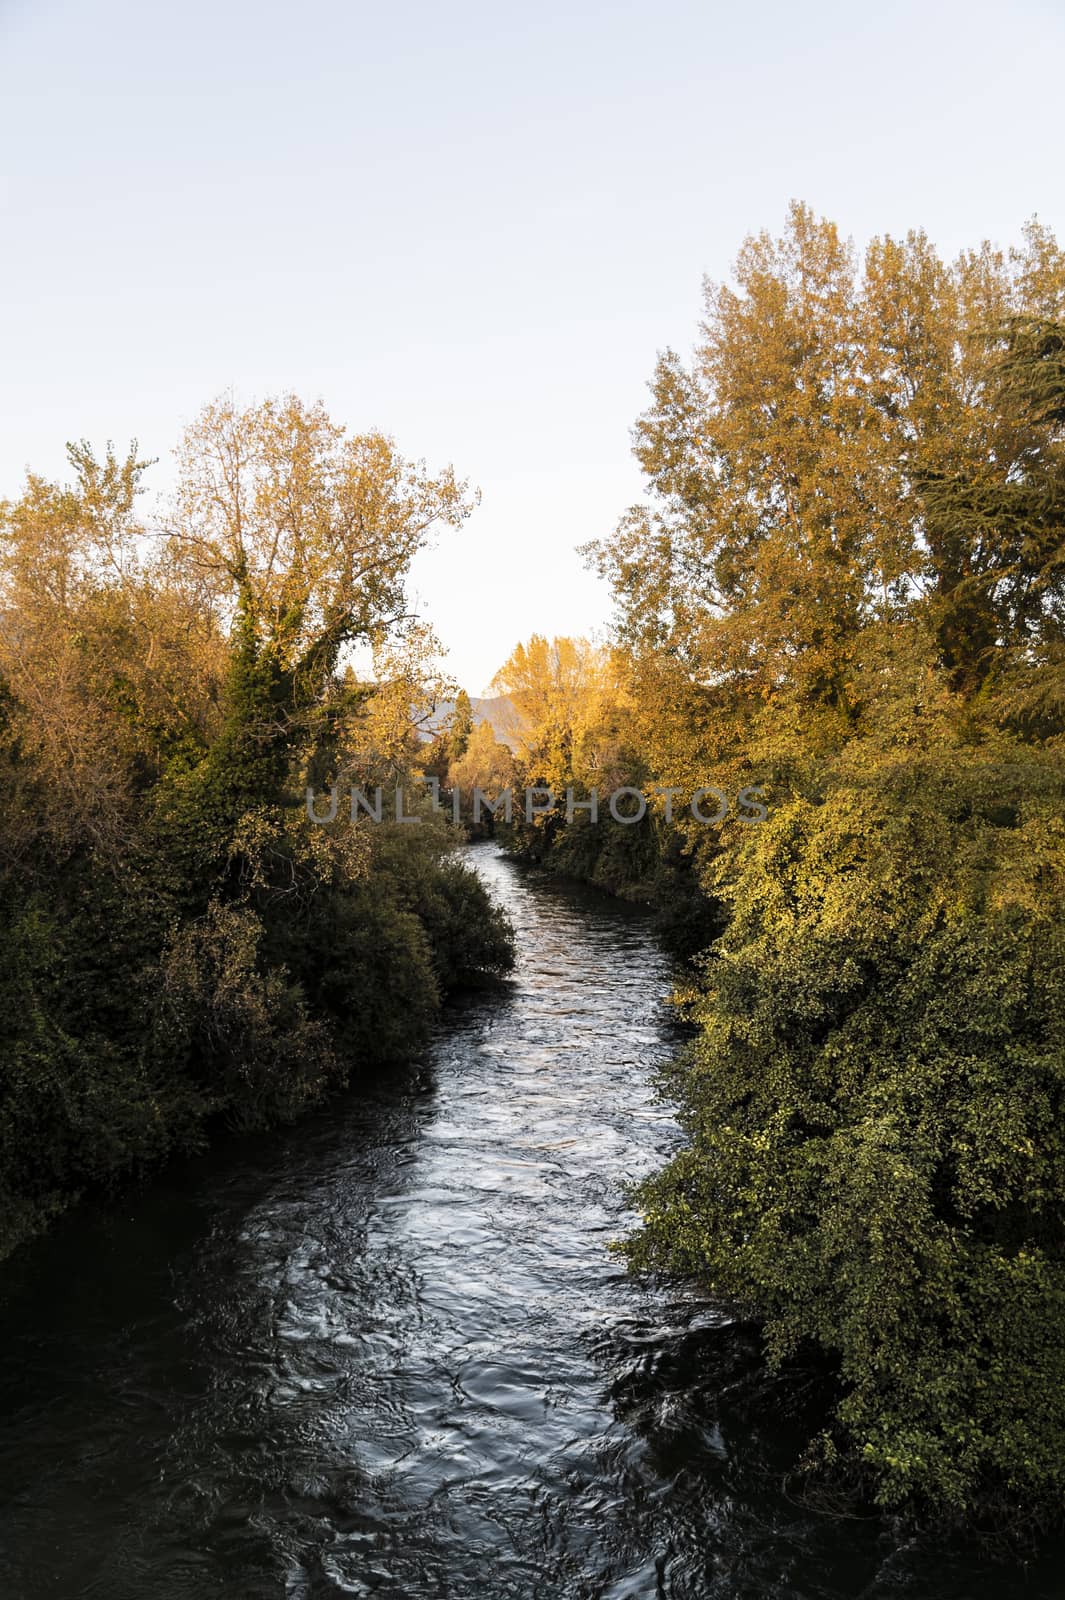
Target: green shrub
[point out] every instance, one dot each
(875, 1111)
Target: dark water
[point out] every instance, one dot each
(387, 1352)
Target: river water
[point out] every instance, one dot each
(388, 1353)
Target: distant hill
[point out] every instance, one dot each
(499, 712)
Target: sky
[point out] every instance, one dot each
(471, 225)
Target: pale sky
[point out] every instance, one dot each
(472, 225)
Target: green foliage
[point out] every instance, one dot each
(876, 1111)
(241, 1025)
(622, 858)
(80, 1100)
(470, 940)
(461, 726)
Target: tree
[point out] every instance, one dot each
(307, 531)
(567, 701)
(837, 458)
(485, 764)
(963, 443)
(305, 534)
(113, 671)
(461, 726)
(763, 459)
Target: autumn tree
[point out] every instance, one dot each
(837, 458)
(973, 464)
(114, 669)
(569, 710)
(486, 764)
(306, 534)
(302, 534)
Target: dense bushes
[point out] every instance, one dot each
(128, 1023)
(876, 1112)
(179, 942)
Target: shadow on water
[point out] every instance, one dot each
(387, 1352)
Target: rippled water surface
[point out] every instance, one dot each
(388, 1353)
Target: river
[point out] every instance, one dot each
(387, 1352)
